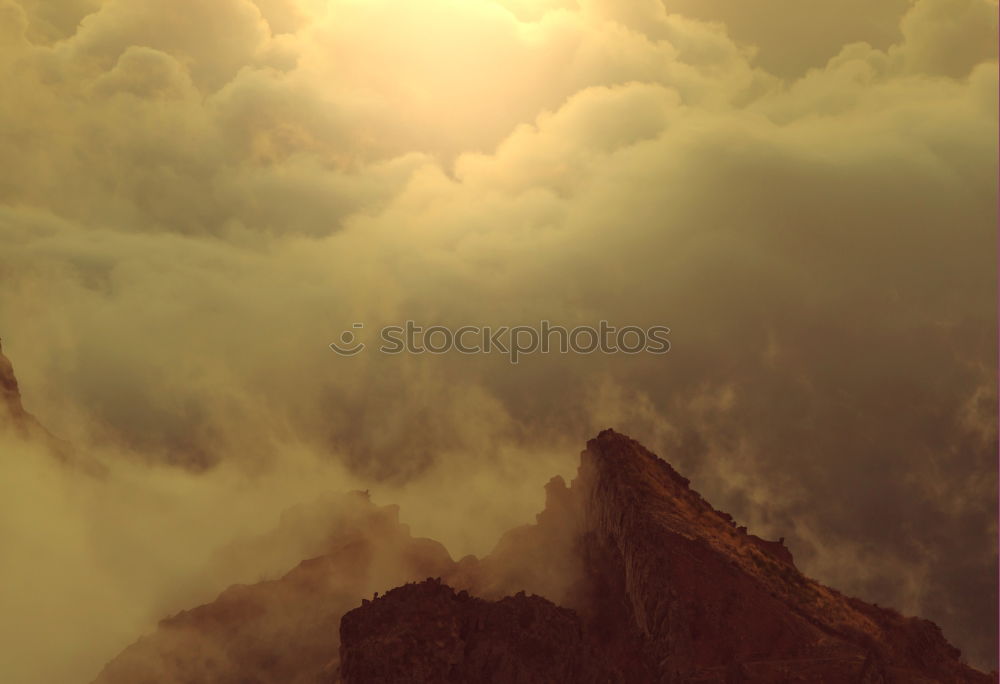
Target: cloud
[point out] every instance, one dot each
(197, 199)
(949, 37)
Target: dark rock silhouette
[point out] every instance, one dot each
(15, 420)
(427, 633)
(284, 631)
(711, 602)
(671, 590)
(12, 412)
(644, 582)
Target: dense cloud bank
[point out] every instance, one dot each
(198, 197)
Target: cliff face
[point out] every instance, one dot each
(711, 601)
(669, 590)
(16, 422)
(11, 411)
(644, 582)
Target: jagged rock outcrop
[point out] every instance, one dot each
(428, 634)
(15, 421)
(12, 412)
(643, 583)
(669, 590)
(712, 601)
(284, 631)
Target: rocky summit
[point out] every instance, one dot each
(628, 576)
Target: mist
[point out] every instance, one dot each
(198, 198)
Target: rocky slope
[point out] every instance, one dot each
(12, 413)
(643, 582)
(284, 631)
(670, 590)
(429, 633)
(17, 423)
(707, 598)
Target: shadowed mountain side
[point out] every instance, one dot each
(12, 413)
(16, 422)
(670, 590)
(10, 395)
(284, 631)
(449, 637)
(706, 596)
(643, 582)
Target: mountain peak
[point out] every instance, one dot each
(670, 590)
(643, 582)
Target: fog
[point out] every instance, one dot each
(197, 198)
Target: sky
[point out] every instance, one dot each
(197, 198)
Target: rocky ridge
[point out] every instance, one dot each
(11, 410)
(18, 423)
(643, 582)
(668, 589)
